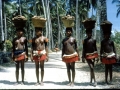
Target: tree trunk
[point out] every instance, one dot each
(44, 9)
(5, 35)
(49, 25)
(77, 25)
(1, 22)
(19, 7)
(58, 26)
(103, 13)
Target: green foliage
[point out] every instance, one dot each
(116, 39)
(8, 45)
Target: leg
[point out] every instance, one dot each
(37, 71)
(17, 72)
(106, 73)
(110, 72)
(83, 60)
(90, 66)
(22, 71)
(68, 72)
(42, 71)
(92, 74)
(73, 72)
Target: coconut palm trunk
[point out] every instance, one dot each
(58, 26)
(49, 25)
(19, 2)
(103, 13)
(1, 22)
(77, 25)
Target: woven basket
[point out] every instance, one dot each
(19, 21)
(19, 24)
(106, 26)
(68, 21)
(38, 21)
(89, 23)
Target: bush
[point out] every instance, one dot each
(8, 45)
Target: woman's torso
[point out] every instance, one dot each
(107, 46)
(89, 45)
(19, 43)
(39, 43)
(69, 45)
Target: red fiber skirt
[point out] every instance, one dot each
(92, 56)
(109, 60)
(20, 57)
(69, 60)
(40, 58)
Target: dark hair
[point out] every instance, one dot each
(108, 33)
(38, 28)
(88, 31)
(69, 28)
(20, 29)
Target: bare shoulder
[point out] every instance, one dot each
(14, 38)
(33, 39)
(45, 39)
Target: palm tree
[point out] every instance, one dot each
(118, 5)
(103, 13)
(1, 22)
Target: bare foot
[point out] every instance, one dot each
(95, 84)
(69, 84)
(16, 83)
(106, 82)
(111, 83)
(90, 83)
(22, 83)
(42, 84)
(72, 84)
(36, 84)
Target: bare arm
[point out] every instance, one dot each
(46, 47)
(32, 49)
(95, 45)
(114, 49)
(83, 52)
(62, 52)
(26, 49)
(76, 48)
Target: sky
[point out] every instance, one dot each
(111, 15)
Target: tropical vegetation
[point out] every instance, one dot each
(53, 10)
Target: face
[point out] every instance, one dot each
(106, 36)
(68, 32)
(19, 33)
(38, 32)
(89, 34)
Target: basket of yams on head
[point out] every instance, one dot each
(38, 21)
(68, 20)
(19, 21)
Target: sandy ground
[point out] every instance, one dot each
(55, 76)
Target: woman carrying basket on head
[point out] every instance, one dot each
(107, 50)
(89, 48)
(70, 52)
(19, 49)
(39, 50)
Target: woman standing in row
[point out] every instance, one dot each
(39, 50)
(90, 48)
(19, 49)
(107, 50)
(70, 52)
